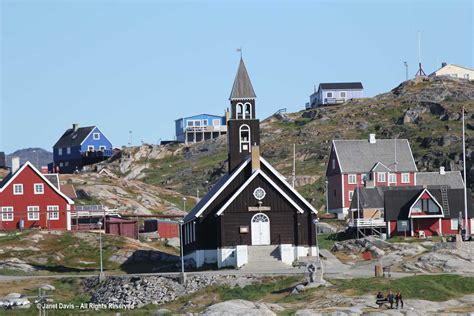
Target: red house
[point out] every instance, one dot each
(28, 199)
(373, 163)
(432, 211)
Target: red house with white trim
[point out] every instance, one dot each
(432, 211)
(372, 163)
(28, 199)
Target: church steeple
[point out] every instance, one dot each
(242, 88)
(243, 127)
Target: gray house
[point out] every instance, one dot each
(335, 93)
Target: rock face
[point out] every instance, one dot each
(136, 292)
(16, 264)
(370, 243)
(239, 307)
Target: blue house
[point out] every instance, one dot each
(80, 146)
(201, 127)
(335, 93)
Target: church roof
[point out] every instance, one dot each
(242, 88)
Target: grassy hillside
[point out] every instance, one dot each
(427, 112)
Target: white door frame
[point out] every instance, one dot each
(260, 229)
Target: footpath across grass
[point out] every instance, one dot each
(439, 287)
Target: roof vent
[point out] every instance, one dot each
(441, 171)
(75, 127)
(372, 139)
(443, 64)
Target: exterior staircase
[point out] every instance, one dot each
(264, 259)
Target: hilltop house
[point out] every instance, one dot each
(193, 129)
(373, 162)
(78, 147)
(335, 93)
(252, 214)
(454, 71)
(29, 199)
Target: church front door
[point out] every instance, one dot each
(260, 229)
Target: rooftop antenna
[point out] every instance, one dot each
(420, 72)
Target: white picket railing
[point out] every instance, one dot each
(366, 222)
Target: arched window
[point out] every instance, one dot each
(248, 111)
(240, 111)
(244, 139)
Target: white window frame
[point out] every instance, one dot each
(53, 212)
(17, 185)
(381, 177)
(68, 150)
(96, 136)
(390, 175)
(90, 148)
(405, 177)
(245, 142)
(352, 177)
(60, 151)
(41, 185)
(247, 105)
(454, 223)
(8, 213)
(33, 210)
(351, 195)
(216, 122)
(205, 122)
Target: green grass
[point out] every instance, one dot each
(254, 292)
(440, 287)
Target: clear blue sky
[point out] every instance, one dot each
(139, 65)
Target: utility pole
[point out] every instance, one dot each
(294, 165)
(406, 70)
(466, 233)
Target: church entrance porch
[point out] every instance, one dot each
(260, 229)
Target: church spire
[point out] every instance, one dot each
(242, 88)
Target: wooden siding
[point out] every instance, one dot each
(235, 156)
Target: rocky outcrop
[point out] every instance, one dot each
(136, 292)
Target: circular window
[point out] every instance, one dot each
(259, 193)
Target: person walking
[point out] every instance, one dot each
(390, 298)
(398, 299)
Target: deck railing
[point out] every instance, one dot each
(366, 222)
(207, 128)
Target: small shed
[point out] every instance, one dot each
(121, 227)
(168, 229)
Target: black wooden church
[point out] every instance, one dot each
(251, 206)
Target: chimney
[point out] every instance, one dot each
(443, 64)
(372, 139)
(441, 171)
(255, 158)
(75, 127)
(227, 116)
(15, 164)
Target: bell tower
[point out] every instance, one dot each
(243, 129)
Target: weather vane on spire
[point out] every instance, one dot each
(240, 51)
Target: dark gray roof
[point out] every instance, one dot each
(242, 88)
(53, 178)
(341, 85)
(359, 156)
(453, 179)
(219, 184)
(398, 202)
(369, 198)
(73, 138)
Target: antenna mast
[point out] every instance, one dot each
(465, 179)
(420, 72)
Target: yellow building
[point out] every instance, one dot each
(454, 71)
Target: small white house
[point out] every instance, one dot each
(335, 93)
(454, 71)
